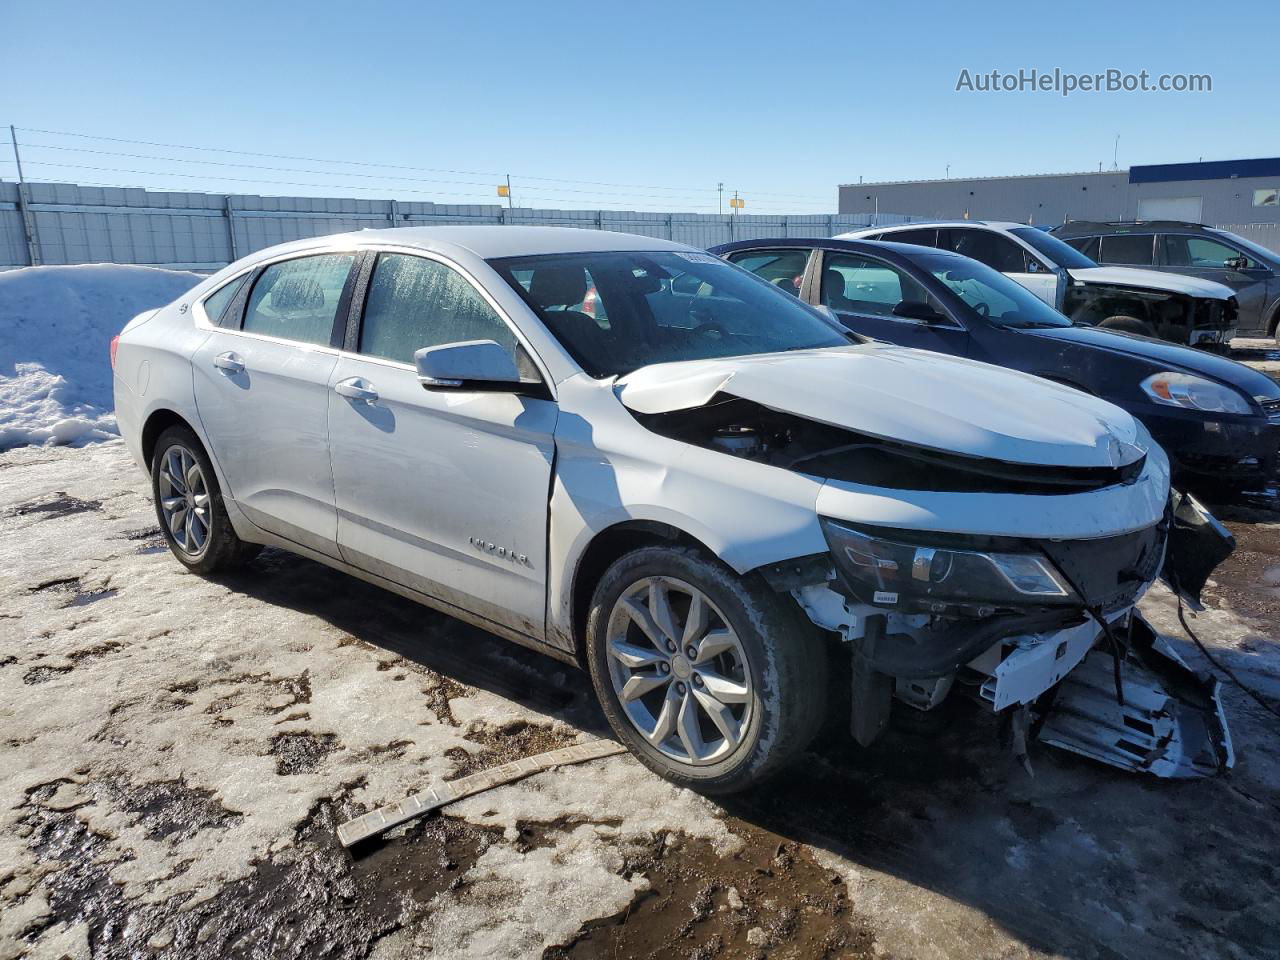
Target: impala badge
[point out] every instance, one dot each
(502, 553)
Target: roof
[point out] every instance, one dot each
(890, 228)
(1014, 176)
(489, 242)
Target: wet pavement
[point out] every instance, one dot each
(177, 753)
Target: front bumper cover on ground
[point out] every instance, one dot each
(1171, 722)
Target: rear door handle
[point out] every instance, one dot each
(229, 362)
(353, 388)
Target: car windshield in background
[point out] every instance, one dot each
(1064, 255)
(990, 294)
(617, 311)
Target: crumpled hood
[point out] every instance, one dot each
(911, 396)
(1153, 280)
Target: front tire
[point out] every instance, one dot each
(189, 506)
(713, 681)
(1126, 324)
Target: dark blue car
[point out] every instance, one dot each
(1218, 420)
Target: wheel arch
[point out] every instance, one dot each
(600, 553)
(158, 421)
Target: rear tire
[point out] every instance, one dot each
(1124, 324)
(713, 681)
(189, 507)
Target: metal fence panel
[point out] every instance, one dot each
(82, 224)
(1263, 234)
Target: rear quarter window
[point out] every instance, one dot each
(216, 303)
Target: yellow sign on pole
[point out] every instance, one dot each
(737, 202)
(504, 190)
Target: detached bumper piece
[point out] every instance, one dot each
(1170, 725)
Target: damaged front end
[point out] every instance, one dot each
(993, 545)
(1044, 630)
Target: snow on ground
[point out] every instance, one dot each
(56, 324)
(175, 752)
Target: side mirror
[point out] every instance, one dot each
(830, 314)
(917, 310)
(470, 365)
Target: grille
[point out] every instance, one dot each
(1109, 571)
(1271, 408)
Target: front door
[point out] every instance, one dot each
(445, 492)
(864, 293)
(1210, 259)
(261, 388)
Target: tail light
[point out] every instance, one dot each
(115, 342)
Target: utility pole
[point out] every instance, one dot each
(24, 206)
(13, 136)
(510, 202)
(734, 203)
(720, 203)
(1115, 156)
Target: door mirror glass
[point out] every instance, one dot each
(917, 310)
(470, 365)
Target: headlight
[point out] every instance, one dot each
(934, 578)
(1194, 393)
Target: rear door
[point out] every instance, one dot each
(1002, 253)
(445, 492)
(863, 292)
(261, 387)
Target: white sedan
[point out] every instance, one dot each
(637, 457)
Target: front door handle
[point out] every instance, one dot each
(353, 388)
(229, 362)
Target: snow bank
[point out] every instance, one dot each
(56, 325)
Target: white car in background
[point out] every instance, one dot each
(1181, 309)
(705, 491)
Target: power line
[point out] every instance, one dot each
(361, 163)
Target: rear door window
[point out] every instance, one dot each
(1136, 249)
(298, 299)
(783, 268)
(921, 237)
(986, 246)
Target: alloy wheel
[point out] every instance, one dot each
(679, 670)
(184, 500)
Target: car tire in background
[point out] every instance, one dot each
(1123, 324)
(189, 507)
(713, 681)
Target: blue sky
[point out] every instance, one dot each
(781, 101)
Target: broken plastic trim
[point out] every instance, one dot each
(1197, 544)
(1170, 725)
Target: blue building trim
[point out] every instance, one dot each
(1212, 170)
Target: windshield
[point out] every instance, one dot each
(1063, 254)
(616, 311)
(990, 294)
(1263, 254)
